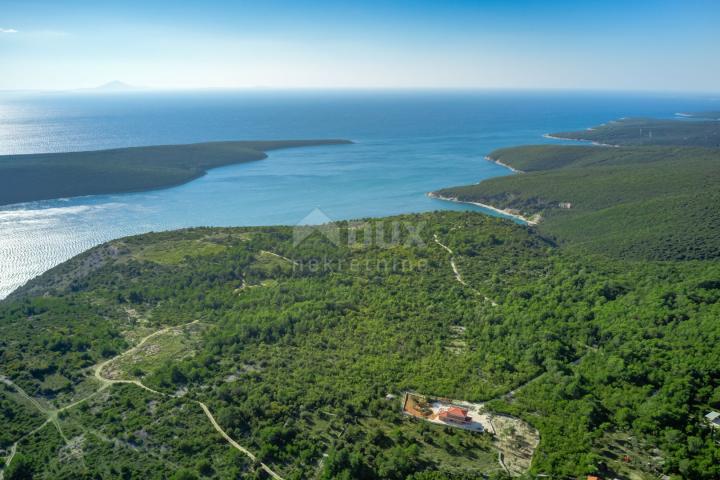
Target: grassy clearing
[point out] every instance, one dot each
(267, 264)
(514, 439)
(173, 345)
(628, 457)
(456, 450)
(176, 252)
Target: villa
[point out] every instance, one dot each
(455, 415)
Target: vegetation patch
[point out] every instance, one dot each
(25, 178)
(172, 253)
(579, 347)
(652, 199)
(649, 131)
(514, 439)
(175, 344)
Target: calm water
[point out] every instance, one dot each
(407, 144)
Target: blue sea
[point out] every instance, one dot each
(406, 144)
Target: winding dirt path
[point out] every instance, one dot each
(458, 275)
(265, 252)
(97, 370)
(105, 383)
(50, 414)
(108, 382)
(236, 445)
(8, 459)
(23, 393)
(14, 447)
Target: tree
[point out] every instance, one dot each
(20, 468)
(184, 474)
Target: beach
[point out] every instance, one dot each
(506, 213)
(547, 135)
(490, 159)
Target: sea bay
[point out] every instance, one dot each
(406, 144)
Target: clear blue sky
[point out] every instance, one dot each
(586, 44)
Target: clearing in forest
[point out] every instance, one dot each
(171, 344)
(514, 438)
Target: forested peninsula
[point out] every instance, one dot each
(44, 176)
(654, 197)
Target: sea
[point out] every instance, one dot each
(407, 143)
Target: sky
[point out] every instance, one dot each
(653, 45)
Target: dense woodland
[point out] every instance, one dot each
(641, 202)
(649, 131)
(621, 357)
(42, 176)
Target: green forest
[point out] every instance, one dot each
(636, 202)
(295, 360)
(650, 131)
(42, 176)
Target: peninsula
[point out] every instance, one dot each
(44, 176)
(654, 196)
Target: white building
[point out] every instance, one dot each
(713, 419)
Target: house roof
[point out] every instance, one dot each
(457, 411)
(712, 416)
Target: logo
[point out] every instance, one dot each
(316, 221)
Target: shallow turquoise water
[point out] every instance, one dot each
(406, 145)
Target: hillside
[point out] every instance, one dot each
(293, 351)
(25, 178)
(644, 202)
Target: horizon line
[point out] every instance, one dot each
(145, 89)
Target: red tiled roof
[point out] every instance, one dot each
(457, 411)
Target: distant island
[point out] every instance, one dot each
(115, 85)
(44, 176)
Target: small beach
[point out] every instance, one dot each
(598, 144)
(505, 213)
(490, 159)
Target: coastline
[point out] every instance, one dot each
(531, 222)
(178, 164)
(714, 116)
(598, 144)
(490, 159)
